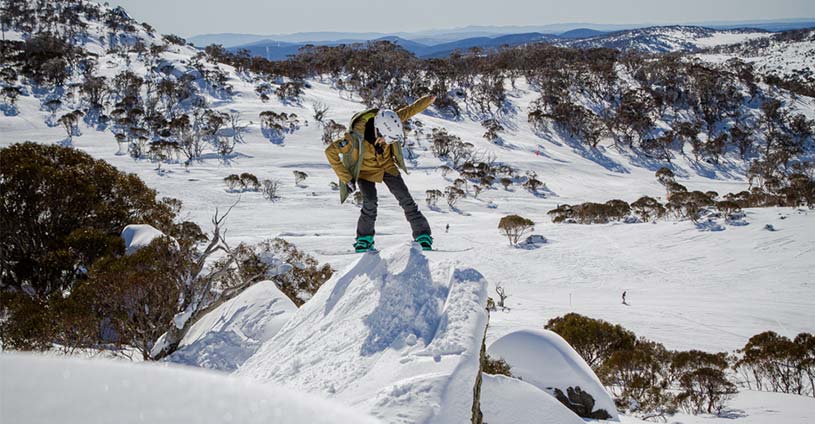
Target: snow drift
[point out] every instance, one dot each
(394, 335)
(137, 236)
(38, 389)
(543, 359)
(507, 400)
(226, 337)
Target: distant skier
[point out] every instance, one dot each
(624, 293)
(447, 228)
(369, 153)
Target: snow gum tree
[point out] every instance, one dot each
(514, 227)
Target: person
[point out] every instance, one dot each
(370, 153)
(624, 293)
(447, 228)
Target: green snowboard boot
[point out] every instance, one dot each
(425, 241)
(364, 244)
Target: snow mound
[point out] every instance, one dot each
(394, 335)
(37, 389)
(226, 337)
(137, 236)
(507, 400)
(543, 359)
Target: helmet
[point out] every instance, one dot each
(389, 126)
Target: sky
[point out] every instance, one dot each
(193, 17)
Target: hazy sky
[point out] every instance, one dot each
(192, 17)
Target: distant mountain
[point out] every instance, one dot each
(226, 40)
(443, 50)
(235, 40)
(441, 36)
(581, 33)
(279, 50)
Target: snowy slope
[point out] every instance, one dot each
(40, 390)
(562, 367)
(664, 39)
(226, 337)
(782, 57)
(396, 334)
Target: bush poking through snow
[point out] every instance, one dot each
(502, 297)
(702, 381)
(432, 197)
(514, 227)
(270, 188)
(595, 340)
(242, 182)
(594, 213)
(496, 366)
(769, 361)
(299, 177)
(52, 236)
(332, 131)
(648, 209)
(643, 376)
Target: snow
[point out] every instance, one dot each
(395, 334)
(751, 407)
(137, 236)
(37, 389)
(226, 337)
(789, 58)
(543, 359)
(687, 289)
(507, 400)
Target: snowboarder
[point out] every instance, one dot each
(369, 153)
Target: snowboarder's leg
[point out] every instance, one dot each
(418, 223)
(367, 215)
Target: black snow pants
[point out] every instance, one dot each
(397, 187)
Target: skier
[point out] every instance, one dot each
(369, 153)
(624, 292)
(447, 228)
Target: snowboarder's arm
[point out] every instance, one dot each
(417, 107)
(332, 153)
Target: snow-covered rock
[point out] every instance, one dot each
(543, 359)
(394, 335)
(38, 389)
(533, 242)
(226, 337)
(507, 400)
(137, 236)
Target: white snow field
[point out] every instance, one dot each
(226, 337)
(41, 390)
(395, 334)
(546, 361)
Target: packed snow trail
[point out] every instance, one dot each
(395, 335)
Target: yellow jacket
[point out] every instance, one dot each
(372, 167)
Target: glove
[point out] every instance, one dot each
(351, 186)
